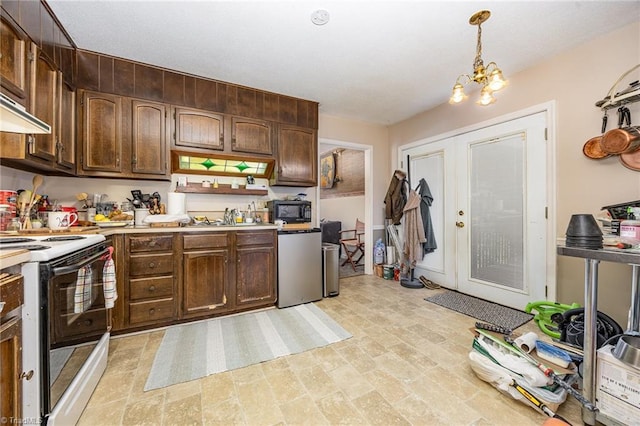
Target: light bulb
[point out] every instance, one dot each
(458, 94)
(486, 96)
(496, 80)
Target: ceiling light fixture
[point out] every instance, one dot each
(490, 77)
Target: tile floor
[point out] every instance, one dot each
(405, 365)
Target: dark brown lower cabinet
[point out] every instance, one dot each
(10, 370)
(177, 277)
(150, 290)
(206, 274)
(255, 269)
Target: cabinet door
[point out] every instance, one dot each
(13, 61)
(255, 270)
(101, 146)
(11, 370)
(297, 157)
(252, 136)
(205, 282)
(149, 149)
(198, 129)
(66, 148)
(44, 105)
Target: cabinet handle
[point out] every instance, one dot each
(88, 322)
(152, 243)
(117, 161)
(134, 160)
(30, 142)
(152, 288)
(152, 265)
(152, 311)
(26, 376)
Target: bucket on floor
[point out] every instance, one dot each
(388, 272)
(379, 270)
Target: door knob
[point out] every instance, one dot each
(460, 224)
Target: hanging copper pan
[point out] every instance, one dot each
(623, 139)
(592, 148)
(631, 160)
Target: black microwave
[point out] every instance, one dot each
(291, 211)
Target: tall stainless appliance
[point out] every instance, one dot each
(299, 266)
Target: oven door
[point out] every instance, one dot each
(76, 326)
(76, 304)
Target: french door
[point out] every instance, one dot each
(489, 210)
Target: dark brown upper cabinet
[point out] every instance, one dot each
(14, 60)
(44, 105)
(122, 137)
(195, 128)
(296, 157)
(149, 147)
(66, 127)
(100, 134)
(251, 136)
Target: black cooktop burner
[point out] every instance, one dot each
(29, 247)
(64, 238)
(14, 240)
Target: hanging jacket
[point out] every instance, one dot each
(425, 204)
(396, 197)
(413, 230)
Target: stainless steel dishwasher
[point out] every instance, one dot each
(299, 266)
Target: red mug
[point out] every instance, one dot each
(74, 222)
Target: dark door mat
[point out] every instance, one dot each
(481, 309)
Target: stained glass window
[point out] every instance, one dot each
(221, 165)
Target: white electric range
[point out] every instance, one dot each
(64, 346)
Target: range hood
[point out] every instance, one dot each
(15, 119)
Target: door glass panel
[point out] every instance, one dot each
(430, 167)
(497, 205)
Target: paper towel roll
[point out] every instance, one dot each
(176, 203)
(527, 342)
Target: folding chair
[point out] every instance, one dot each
(354, 244)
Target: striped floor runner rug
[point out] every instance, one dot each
(196, 350)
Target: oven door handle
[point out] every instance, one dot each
(73, 268)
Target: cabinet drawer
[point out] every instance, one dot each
(151, 311)
(150, 264)
(11, 293)
(209, 240)
(246, 238)
(145, 243)
(147, 288)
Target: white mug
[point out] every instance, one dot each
(280, 223)
(61, 220)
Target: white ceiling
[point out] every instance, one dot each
(376, 61)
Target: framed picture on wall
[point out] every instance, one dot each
(327, 170)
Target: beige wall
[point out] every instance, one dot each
(333, 130)
(575, 80)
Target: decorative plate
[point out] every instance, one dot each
(113, 224)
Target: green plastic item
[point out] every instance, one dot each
(545, 310)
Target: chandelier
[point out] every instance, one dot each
(490, 77)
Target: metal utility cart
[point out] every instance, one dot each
(592, 259)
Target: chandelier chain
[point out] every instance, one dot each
(478, 61)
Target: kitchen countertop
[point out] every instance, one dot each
(10, 258)
(193, 228)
